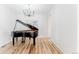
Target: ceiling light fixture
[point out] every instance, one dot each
(28, 12)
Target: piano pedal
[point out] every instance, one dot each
(29, 38)
(22, 41)
(16, 39)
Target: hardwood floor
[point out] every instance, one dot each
(43, 46)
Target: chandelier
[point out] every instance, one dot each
(28, 12)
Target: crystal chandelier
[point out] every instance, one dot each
(28, 12)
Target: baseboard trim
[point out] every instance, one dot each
(5, 44)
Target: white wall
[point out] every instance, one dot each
(78, 28)
(62, 22)
(7, 20)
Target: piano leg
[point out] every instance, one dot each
(34, 41)
(13, 41)
(29, 38)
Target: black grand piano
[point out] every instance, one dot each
(33, 33)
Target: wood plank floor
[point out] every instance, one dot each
(43, 46)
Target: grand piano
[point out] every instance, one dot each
(32, 33)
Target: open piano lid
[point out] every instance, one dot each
(28, 25)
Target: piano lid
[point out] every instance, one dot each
(28, 25)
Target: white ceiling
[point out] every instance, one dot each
(38, 8)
